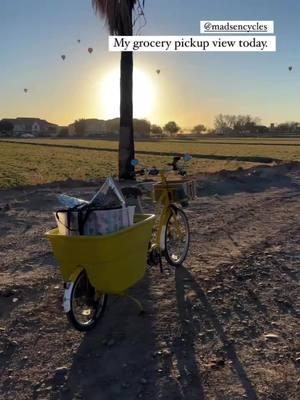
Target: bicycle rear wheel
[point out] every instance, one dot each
(177, 237)
(86, 305)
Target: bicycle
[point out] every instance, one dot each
(92, 268)
(173, 235)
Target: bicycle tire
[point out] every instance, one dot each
(170, 257)
(100, 307)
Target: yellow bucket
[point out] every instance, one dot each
(113, 262)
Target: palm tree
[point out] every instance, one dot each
(118, 15)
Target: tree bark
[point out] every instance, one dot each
(126, 139)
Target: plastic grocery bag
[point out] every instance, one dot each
(69, 201)
(108, 196)
(106, 213)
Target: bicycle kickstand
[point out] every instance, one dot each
(160, 265)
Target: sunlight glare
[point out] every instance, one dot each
(143, 95)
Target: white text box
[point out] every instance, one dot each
(237, 27)
(193, 43)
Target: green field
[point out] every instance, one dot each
(28, 164)
(282, 149)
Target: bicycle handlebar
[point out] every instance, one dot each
(154, 171)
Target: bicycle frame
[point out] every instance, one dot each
(166, 212)
(165, 194)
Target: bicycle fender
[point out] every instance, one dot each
(68, 289)
(162, 237)
(171, 209)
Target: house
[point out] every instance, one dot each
(87, 127)
(141, 127)
(110, 128)
(224, 131)
(32, 126)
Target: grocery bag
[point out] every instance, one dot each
(67, 222)
(103, 222)
(105, 213)
(90, 221)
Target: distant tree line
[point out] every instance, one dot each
(224, 124)
(246, 124)
(172, 129)
(235, 123)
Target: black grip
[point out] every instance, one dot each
(154, 171)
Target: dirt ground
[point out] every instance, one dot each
(223, 327)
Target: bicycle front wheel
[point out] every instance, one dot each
(86, 305)
(177, 237)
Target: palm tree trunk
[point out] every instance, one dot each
(126, 139)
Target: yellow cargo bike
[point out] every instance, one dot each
(96, 266)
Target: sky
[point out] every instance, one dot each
(191, 87)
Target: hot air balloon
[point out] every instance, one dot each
(25, 90)
(63, 57)
(158, 71)
(90, 50)
(290, 68)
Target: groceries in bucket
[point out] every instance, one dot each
(105, 213)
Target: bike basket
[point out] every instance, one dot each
(113, 262)
(178, 191)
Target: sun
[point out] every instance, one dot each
(143, 94)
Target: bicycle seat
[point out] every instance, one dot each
(132, 191)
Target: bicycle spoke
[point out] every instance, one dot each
(177, 238)
(84, 304)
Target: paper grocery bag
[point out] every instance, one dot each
(104, 222)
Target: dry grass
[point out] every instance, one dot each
(31, 165)
(282, 149)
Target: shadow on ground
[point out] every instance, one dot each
(118, 358)
(192, 332)
(123, 357)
